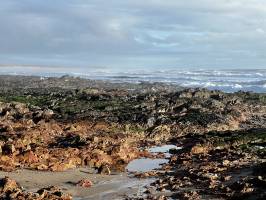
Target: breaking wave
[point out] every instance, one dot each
(226, 80)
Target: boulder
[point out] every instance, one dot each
(86, 183)
(198, 149)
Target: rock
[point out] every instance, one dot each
(211, 176)
(41, 167)
(226, 178)
(21, 108)
(198, 149)
(47, 114)
(160, 133)
(95, 139)
(1, 150)
(42, 193)
(185, 94)
(8, 185)
(53, 193)
(191, 195)
(162, 197)
(104, 170)
(90, 91)
(99, 158)
(226, 162)
(71, 140)
(151, 121)
(71, 128)
(106, 128)
(86, 183)
(202, 94)
(247, 188)
(8, 149)
(30, 157)
(60, 167)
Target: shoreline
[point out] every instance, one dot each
(227, 81)
(104, 187)
(62, 124)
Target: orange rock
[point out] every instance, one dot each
(85, 183)
(41, 167)
(30, 157)
(199, 149)
(74, 161)
(100, 157)
(8, 185)
(59, 167)
(5, 159)
(226, 162)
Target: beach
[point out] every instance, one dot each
(98, 139)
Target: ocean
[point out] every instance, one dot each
(225, 80)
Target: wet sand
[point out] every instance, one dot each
(115, 186)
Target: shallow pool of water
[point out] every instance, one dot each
(148, 164)
(145, 164)
(164, 149)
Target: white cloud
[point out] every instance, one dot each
(197, 32)
(260, 30)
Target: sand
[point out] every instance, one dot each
(115, 186)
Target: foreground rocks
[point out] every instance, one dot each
(9, 189)
(63, 123)
(56, 147)
(217, 165)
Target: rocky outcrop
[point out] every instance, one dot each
(61, 123)
(9, 189)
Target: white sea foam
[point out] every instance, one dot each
(238, 86)
(210, 84)
(226, 80)
(259, 74)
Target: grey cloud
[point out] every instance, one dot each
(133, 33)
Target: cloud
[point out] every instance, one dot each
(127, 34)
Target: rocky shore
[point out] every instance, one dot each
(66, 123)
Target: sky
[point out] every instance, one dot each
(133, 34)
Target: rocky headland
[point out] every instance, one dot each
(59, 124)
